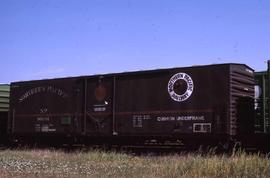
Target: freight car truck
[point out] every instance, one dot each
(188, 106)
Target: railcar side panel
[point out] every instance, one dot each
(46, 106)
(174, 102)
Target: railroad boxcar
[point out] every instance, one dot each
(179, 106)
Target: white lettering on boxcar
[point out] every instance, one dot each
(48, 89)
(180, 118)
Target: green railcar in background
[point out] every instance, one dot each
(4, 97)
(4, 107)
(262, 94)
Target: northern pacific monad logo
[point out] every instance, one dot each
(180, 87)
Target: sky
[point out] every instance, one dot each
(60, 38)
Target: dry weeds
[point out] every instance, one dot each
(96, 163)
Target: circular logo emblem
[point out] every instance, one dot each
(180, 87)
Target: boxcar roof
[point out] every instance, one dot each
(133, 72)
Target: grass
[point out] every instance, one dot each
(95, 163)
